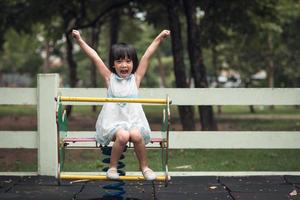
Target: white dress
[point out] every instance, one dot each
(127, 116)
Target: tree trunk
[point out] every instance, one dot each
(72, 68)
(247, 85)
(161, 70)
(94, 43)
(270, 64)
(197, 65)
(186, 112)
(216, 74)
(114, 27)
(71, 62)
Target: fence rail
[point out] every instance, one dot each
(44, 139)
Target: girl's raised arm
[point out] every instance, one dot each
(142, 68)
(92, 54)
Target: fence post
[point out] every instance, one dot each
(47, 86)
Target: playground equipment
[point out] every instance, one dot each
(64, 142)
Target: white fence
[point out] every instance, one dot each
(44, 139)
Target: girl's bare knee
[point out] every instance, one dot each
(136, 136)
(122, 137)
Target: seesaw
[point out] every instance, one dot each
(64, 141)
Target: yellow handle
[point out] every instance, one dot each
(116, 100)
(104, 178)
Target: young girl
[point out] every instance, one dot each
(123, 122)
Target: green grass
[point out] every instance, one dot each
(201, 160)
(6, 110)
(261, 124)
(20, 166)
(185, 160)
(260, 110)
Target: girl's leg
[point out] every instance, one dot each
(141, 153)
(121, 139)
(139, 147)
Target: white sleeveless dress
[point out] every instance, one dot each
(127, 116)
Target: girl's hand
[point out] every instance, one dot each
(164, 34)
(76, 34)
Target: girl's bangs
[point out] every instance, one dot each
(122, 53)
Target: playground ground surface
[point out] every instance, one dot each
(183, 187)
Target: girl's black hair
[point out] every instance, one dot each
(120, 51)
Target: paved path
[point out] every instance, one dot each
(199, 187)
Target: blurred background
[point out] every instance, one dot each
(235, 43)
(224, 44)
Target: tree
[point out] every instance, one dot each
(13, 21)
(246, 24)
(289, 74)
(197, 65)
(20, 53)
(186, 112)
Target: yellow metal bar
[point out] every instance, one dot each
(104, 178)
(119, 100)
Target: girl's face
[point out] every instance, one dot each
(123, 67)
